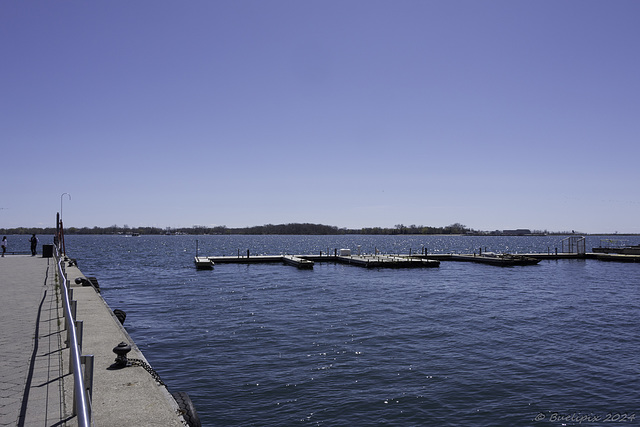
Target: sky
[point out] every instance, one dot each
(352, 113)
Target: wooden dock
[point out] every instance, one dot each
(539, 256)
(253, 259)
(387, 261)
(412, 260)
(307, 261)
(615, 257)
(505, 260)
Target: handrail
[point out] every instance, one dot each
(80, 395)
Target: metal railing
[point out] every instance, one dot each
(82, 379)
(574, 244)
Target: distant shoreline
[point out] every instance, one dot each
(300, 229)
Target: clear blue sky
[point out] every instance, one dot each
(494, 114)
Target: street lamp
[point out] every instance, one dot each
(64, 250)
(61, 202)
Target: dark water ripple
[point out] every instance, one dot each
(464, 344)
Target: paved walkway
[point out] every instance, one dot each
(32, 372)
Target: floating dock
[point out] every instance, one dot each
(506, 260)
(203, 263)
(616, 257)
(387, 261)
(538, 256)
(414, 260)
(307, 261)
(295, 261)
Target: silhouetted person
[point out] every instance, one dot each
(34, 244)
(4, 245)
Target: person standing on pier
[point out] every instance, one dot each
(4, 245)
(34, 244)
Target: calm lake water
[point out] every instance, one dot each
(462, 344)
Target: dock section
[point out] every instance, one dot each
(307, 261)
(203, 263)
(253, 259)
(295, 261)
(387, 261)
(505, 260)
(615, 257)
(420, 260)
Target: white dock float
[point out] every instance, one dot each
(297, 262)
(203, 263)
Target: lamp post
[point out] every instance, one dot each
(61, 196)
(64, 250)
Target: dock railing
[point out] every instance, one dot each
(574, 245)
(82, 378)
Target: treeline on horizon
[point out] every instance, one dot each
(279, 229)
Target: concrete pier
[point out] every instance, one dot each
(36, 385)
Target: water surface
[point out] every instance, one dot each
(462, 344)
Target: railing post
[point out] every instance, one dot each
(64, 310)
(73, 305)
(87, 361)
(79, 329)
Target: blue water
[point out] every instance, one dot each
(462, 344)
